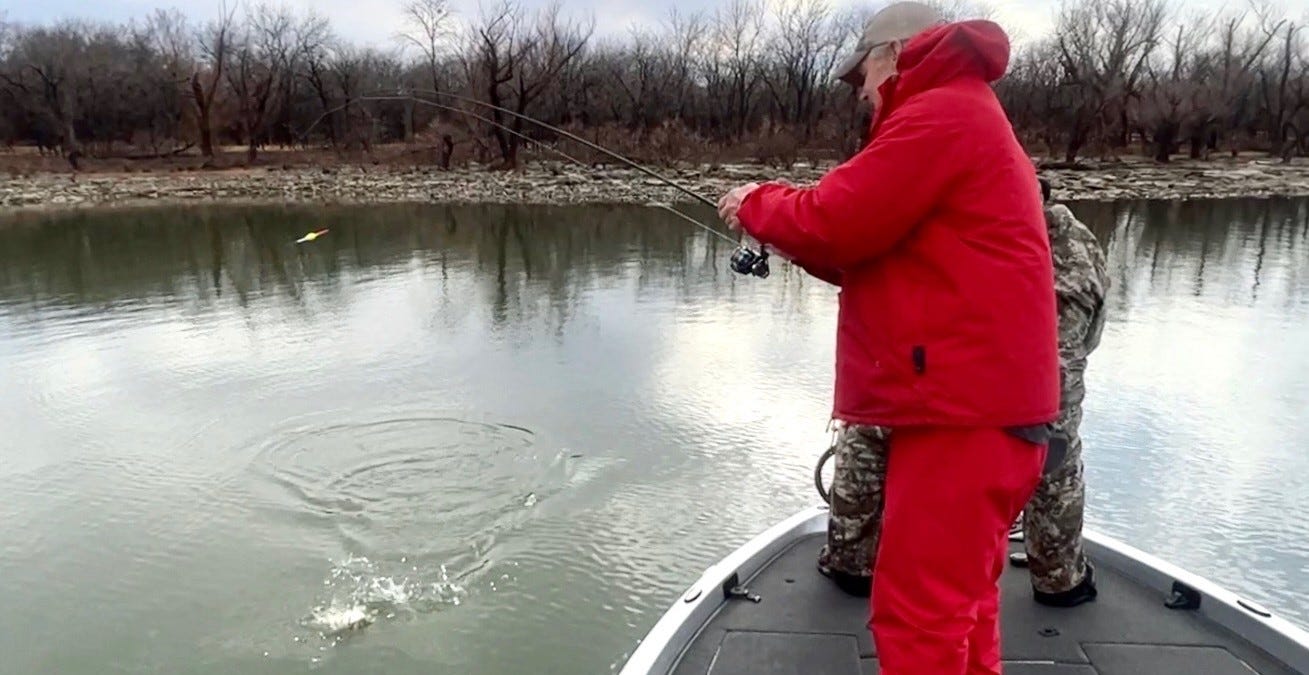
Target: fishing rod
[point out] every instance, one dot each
(523, 136)
(551, 148)
(744, 260)
(567, 134)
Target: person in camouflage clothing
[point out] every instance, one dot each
(1052, 521)
(859, 474)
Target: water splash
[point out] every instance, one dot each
(335, 620)
(360, 592)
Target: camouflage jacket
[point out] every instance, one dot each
(1081, 282)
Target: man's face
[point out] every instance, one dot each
(876, 69)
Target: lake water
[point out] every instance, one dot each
(513, 435)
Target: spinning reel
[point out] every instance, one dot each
(750, 263)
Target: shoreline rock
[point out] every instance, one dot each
(557, 183)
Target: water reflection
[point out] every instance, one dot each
(163, 364)
(197, 257)
(1221, 250)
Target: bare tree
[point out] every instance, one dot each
(686, 36)
(641, 76)
(215, 42)
(356, 73)
(1242, 42)
(1036, 95)
(495, 50)
(1105, 48)
(1283, 92)
(310, 34)
(165, 40)
(513, 62)
(1175, 91)
(429, 29)
(315, 70)
(732, 66)
(263, 51)
(9, 126)
(45, 72)
(803, 52)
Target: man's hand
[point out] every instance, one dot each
(731, 203)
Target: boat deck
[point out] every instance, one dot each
(806, 626)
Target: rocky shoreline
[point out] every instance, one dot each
(566, 184)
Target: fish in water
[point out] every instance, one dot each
(312, 236)
(334, 621)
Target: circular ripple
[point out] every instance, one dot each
(389, 466)
(407, 485)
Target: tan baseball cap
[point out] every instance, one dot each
(897, 21)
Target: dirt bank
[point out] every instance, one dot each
(567, 184)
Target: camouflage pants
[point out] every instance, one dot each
(1052, 520)
(855, 520)
(1052, 524)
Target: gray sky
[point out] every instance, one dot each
(376, 21)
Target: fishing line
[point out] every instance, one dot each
(693, 221)
(545, 146)
(304, 134)
(743, 261)
(567, 134)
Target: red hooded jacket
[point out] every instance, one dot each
(936, 236)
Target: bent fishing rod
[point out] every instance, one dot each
(507, 129)
(744, 260)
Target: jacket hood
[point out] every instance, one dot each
(964, 49)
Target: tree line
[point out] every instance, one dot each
(750, 79)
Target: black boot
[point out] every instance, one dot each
(857, 585)
(1083, 592)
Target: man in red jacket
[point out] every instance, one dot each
(946, 332)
